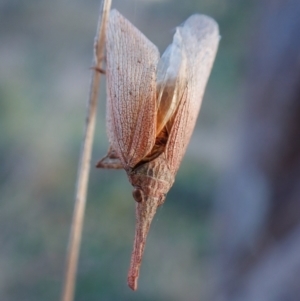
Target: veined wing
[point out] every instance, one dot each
(131, 85)
(199, 37)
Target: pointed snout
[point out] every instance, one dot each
(145, 211)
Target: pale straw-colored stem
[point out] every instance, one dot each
(85, 159)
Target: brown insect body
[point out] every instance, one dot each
(151, 182)
(152, 108)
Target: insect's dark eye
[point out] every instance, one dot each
(138, 195)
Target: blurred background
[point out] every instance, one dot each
(230, 227)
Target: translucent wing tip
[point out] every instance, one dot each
(202, 25)
(114, 12)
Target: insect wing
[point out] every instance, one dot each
(171, 78)
(199, 43)
(131, 87)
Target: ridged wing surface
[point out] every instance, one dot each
(199, 37)
(131, 87)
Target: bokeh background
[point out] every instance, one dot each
(229, 229)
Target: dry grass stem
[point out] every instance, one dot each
(85, 159)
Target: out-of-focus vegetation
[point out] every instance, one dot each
(45, 56)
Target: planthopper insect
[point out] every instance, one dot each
(152, 107)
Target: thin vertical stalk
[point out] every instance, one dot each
(85, 159)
